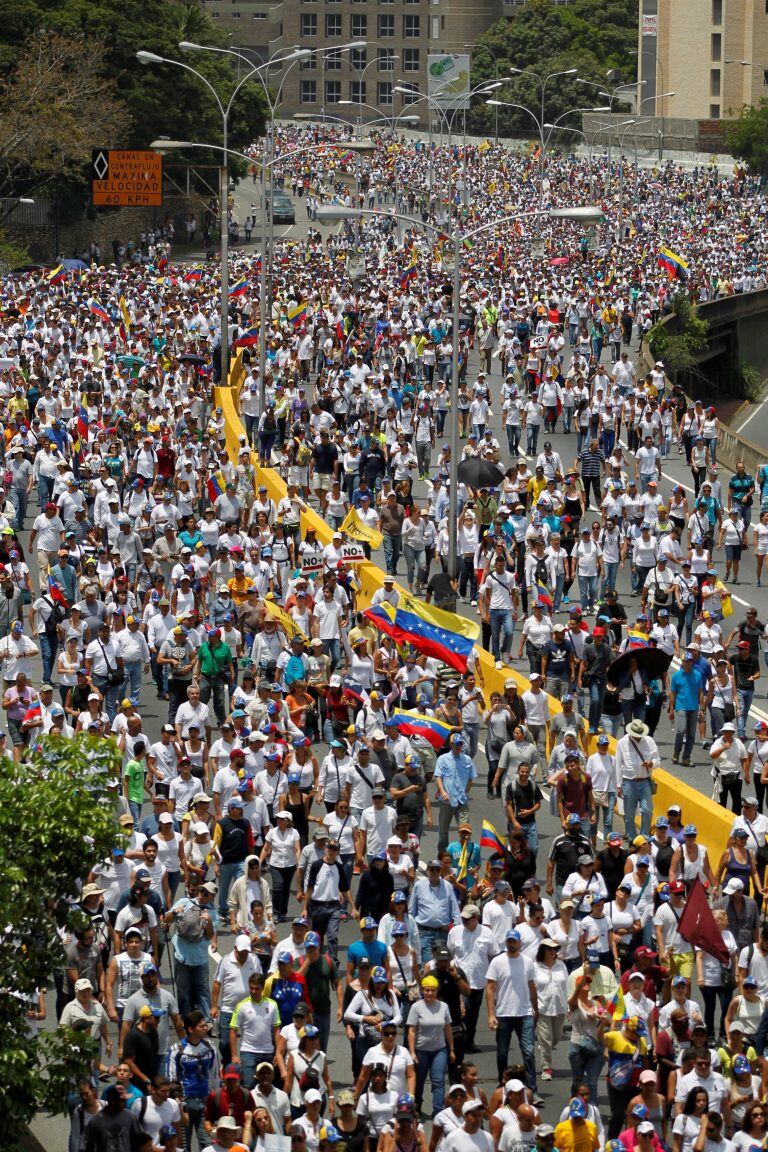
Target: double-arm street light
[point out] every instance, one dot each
(334, 213)
(225, 110)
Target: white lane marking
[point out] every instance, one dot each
(752, 415)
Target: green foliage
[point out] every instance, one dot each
(593, 36)
(55, 825)
(747, 137)
(749, 382)
(677, 344)
(12, 255)
(157, 100)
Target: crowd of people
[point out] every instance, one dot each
(279, 801)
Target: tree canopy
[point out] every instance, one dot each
(55, 825)
(747, 137)
(597, 37)
(82, 76)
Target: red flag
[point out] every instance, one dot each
(697, 925)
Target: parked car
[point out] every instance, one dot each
(283, 211)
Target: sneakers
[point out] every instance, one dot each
(686, 762)
(675, 759)
(546, 1073)
(499, 664)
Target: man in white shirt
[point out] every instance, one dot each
(513, 1006)
(471, 946)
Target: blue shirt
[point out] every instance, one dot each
(455, 849)
(686, 687)
(455, 773)
(193, 952)
(376, 952)
(434, 907)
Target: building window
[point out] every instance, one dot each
(357, 91)
(235, 15)
(717, 47)
(411, 27)
(386, 27)
(332, 24)
(332, 91)
(308, 92)
(411, 96)
(359, 27)
(411, 59)
(259, 15)
(308, 24)
(714, 111)
(717, 11)
(435, 28)
(308, 63)
(765, 76)
(332, 61)
(714, 82)
(358, 57)
(386, 59)
(384, 95)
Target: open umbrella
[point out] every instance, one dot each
(558, 261)
(653, 661)
(74, 265)
(191, 358)
(479, 473)
(132, 361)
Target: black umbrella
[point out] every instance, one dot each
(653, 661)
(191, 358)
(478, 473)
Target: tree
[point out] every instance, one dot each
(747, 137)
(55, 825)
(678, 341)
(53, 105)
(597, 37)
(153, 101)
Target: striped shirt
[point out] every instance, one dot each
(592, 462)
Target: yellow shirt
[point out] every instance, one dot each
(576, 1136)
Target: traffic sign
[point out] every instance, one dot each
(122, 178)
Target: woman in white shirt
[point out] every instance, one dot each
(282, 848)
(760, 543)
(551, 978)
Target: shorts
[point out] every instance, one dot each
(18, 738)
(323, 481)
(681, 964)
(733, 551)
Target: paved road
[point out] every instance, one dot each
(52, 1133)
(752, 422)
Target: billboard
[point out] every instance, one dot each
(448, 79)
(650, 25)
(126, 178)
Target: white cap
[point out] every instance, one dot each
(313, 1096)
(733, 885)
(243, 942)
(201, 829)
(165, 818)
(94, 696)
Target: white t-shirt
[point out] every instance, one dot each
(512, 976)
(156, 1115)
(461, 1141)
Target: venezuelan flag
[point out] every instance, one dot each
(56, 593)
(238, 289)
(489, 838)
(247, 339)
(415, 628)
(298, 315)
(543, 596)
(57, 275)
(96, 309)
(82, 423)
(674, 264)
(615, 1006)
(416, 724)
(216, 486)
(194, 275)
(637, 638)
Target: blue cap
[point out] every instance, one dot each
(285, 957)
(399, 929)
(148, 967)
(740, 1064)
(662, 822)
(368, 921)
(379, 975)
(577, 1109)
(294, 777)
(690, 830)
(513, 934)
(311, 940)
(640, 1112)
(644, 861)
(678, 981)
(380, 855)
(238, 714)
(593, 956)
(573, 819)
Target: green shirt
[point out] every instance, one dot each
(214, 658)
(134, 774)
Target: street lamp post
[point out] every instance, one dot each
(331, 213)
(153, 58)
(543, 81)
(478, 47)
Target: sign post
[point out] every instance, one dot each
(123, 178)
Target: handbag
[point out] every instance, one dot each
(114, 676)
(371, 1031)
(412, 989)
(620, 1073)
(591, 1044)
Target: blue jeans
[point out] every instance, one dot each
(44, 490)
(134, 670)
(523, 1028)
(332, 648)
(531, 833)
(392, 549)
(532, 437)
(192, 988)
(194, 1107)
(607, 814)
(685, 732)
(415, 565)
(637, 794)
(745, 695)
(585, 1066)
(609, 578)
(596, 697)
(472, 736)
(502, 632)
(434, 1065)
(48, 650)
(19, 499)
(587, 592)
(112, 693)
(228, 873)
(557, 597)
(248, 1064)
(428, 936)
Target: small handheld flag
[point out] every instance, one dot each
(490, 838)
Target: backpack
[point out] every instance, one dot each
(540, 572)
(189, 924)
(303, 455)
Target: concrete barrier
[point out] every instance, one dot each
(712, 821)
